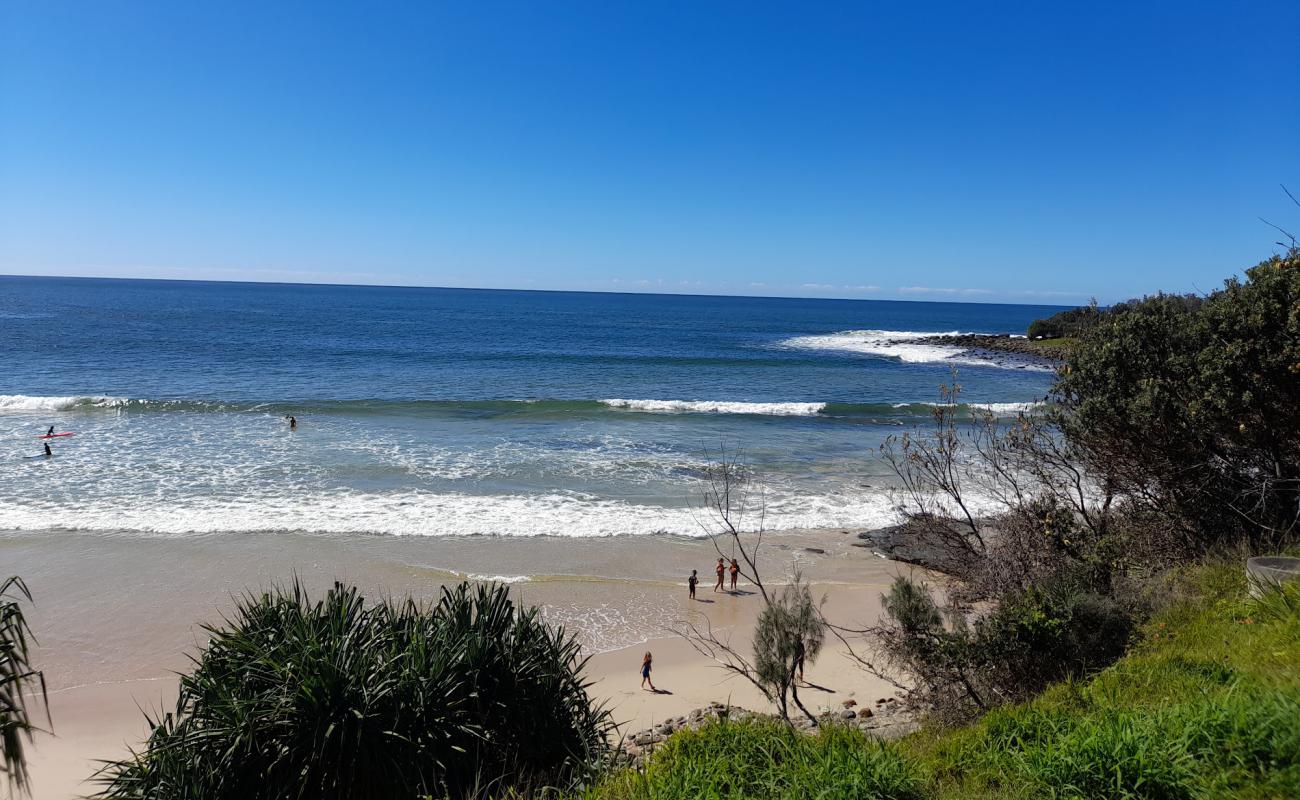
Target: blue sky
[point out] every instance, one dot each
(1034, 152)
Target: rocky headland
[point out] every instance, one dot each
(1002, 348)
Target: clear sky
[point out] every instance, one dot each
(1032, 152)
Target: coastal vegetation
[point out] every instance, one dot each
(19, 682)
(340, 698)
(1205, 704)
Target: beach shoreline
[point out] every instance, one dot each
(117, 616)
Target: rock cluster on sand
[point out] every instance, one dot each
(889, 719)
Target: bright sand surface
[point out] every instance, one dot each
(117, 616)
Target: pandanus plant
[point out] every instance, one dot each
(340, 699)
(19, 685)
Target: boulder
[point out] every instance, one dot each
(848, 713)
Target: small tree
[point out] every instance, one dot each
(17, 680)
(789, 632)
(733, 513)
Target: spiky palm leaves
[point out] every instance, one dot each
(337, 699)
(17, 681)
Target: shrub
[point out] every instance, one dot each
(1028, 640)
(1190, 404)
(789, 632)
(17, 680)
(339, 699)
(1071, 322)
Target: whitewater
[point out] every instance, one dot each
(436, 413)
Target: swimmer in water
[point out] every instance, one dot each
(293, 423)
(48, 451)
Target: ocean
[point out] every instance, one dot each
(447, 412)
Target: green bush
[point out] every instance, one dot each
(340, 699)
(1071, 322)
(1030, 639)
(1190, 404)
(761, 760)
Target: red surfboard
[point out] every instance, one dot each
(54, 435)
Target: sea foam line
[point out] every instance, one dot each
(718, 407)
(901, 345)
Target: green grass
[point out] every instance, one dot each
(742, 760)
(1207, 705)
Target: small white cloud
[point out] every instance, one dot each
(757, 285)
(863, 288)
(820, 287)
(940, 290)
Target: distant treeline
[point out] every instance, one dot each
(1073, 323)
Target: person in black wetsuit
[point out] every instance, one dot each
(48, 451)
(50, 432)
(293, 423)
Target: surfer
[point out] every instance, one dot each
(293, 423)
(50, 432)
(48, 451)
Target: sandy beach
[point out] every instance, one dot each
(117, 616)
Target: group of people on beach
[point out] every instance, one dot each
(721, 569)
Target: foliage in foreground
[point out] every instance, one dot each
(752, 759)
(340, 699)
(1032, 638)
(1206, 705)
(1189, 403)
(17, 679)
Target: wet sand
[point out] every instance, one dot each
(117, 616)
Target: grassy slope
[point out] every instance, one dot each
(1206, 706)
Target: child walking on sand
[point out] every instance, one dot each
(721, 570)
(645, 672)
(691, 581)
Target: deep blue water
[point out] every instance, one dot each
(412, 413)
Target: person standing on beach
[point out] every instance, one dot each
(735, 570)
(645, 671)
(691, 581)
(721, 570)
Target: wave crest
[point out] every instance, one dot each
(26, 402)
(718, 407)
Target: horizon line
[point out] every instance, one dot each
(548, 291)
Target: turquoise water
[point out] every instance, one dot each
(443, 412)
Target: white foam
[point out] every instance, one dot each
(24, 402)
(421, 513)
(995, 408)
(718, 407)
(469, 576)
(900, 345)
